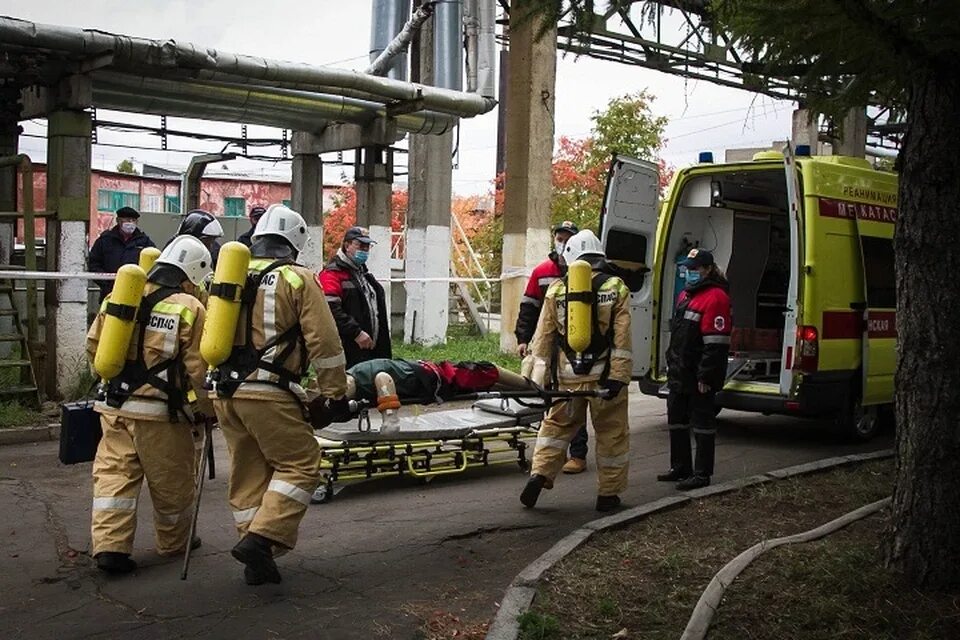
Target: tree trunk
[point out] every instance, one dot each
(924, 540)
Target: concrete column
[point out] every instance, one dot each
(805, 129)
(428, 222)
(306, 196)
(529, 144)
(68, 193)
(374, 187)
(853, 135)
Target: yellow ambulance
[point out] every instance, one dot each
(807, 246)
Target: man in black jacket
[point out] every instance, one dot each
(357, 300)
(118, 246)
(247, 236)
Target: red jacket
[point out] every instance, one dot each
(542, 277)
(700, 337)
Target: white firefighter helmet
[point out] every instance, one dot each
(189, 255)
(280, 220)
(582, 244)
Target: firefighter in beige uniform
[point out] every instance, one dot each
(607, 364)
(147, 433)
(283, 328)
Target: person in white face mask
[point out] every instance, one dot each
(118, 246)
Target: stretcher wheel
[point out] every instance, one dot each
(323, 494)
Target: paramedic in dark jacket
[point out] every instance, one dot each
(357, 300)
(117, 246)
(696, 369)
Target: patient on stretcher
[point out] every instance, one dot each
(387, 383)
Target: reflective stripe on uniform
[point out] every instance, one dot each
(552, 443)
(692, 315)
(245, 515)
(124, 504)
(621, 353)
(332, 298)
(290, 490)
(704, 432)
(269, 290)
(330, 362)
(292, 277)
(613, 461)
(716, 339)
(175, 309)
(531, 300)
(679, 427)
(546, 281)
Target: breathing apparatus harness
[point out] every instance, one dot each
(600, 342)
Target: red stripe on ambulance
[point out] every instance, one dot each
(848, 210)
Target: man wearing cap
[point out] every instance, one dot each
(247, 236)
(357, 300)
(544, 274)
(117, 246)
(696, 368)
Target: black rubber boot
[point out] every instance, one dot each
(115, 562)
(706, 451)
(532, 491)
(608, 503)
(681, 455)
(255, 552)
(696, 482)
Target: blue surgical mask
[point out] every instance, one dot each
(360, 257)
(692, 276)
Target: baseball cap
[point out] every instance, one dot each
(567, 226)
(698, 258)
(127, 212)
(358, 233)
(256, 212)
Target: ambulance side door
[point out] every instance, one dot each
(875, 226)
(628, 226)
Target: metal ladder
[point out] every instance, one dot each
(24, 381)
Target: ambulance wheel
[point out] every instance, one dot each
(859, 423)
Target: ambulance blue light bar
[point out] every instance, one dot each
(705, 157)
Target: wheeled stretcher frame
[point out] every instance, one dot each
(498, 429)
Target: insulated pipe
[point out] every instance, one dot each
(298, 110)
(400, 43)
(487, 62)
(388, 21)
(471, 29)
(150, 56)
(448, 46)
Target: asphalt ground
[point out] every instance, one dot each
(374, 562)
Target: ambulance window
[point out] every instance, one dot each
(879, 272)
(626, 246)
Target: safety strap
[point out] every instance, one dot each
(245, 358)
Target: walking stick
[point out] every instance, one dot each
(196, 506)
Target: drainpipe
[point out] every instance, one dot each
(471, 28)
(448, 46)
(388, 22)
(487, 49)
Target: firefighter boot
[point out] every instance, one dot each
(255, 552)
(532, 490)
(607, 503)
(114, 562)
(680, 455)
(575, 465)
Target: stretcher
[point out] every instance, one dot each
(499, 428)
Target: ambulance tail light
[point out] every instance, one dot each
(808, 349)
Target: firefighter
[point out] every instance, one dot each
(143, 412)
(605, 364)
(284, 326)
(696, 368)
(204, 226)
(544, 274)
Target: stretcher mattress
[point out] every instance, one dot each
(453, 423)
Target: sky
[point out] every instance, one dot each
(702, 116)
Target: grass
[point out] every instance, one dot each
(646, 578)
(461, 345)
(13, 414)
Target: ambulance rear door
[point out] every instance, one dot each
(628, 226)
(875, 226)
(788, 375)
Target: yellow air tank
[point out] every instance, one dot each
(223, 307)
(121, 318)
(579, 317)
(147, 257)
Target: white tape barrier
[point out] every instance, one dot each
(83, 275)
